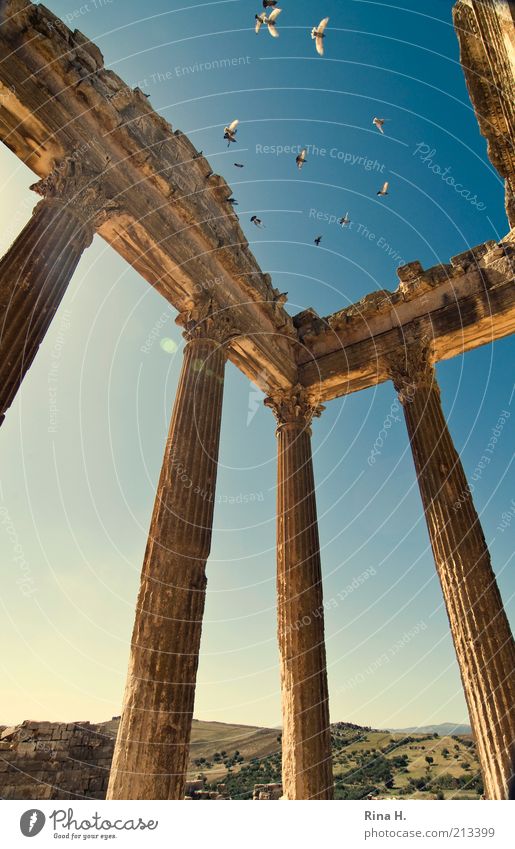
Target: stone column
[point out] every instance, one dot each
(480, 630)
(306, 740)
(35, 272)
(152, 747)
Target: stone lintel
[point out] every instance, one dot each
(175, 226)
(460, 306)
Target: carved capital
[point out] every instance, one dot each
(204, 319)
(411, 367)
(75, 184)
(295, 406)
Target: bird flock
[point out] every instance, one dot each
(268, 19)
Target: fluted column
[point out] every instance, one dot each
(481, 633)
(36, 270)
(306, 740)
(152, 747)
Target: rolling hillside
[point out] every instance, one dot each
(366, 761)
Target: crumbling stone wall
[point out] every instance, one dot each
(267, 791)
(52, 760)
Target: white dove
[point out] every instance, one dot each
(318, 34)
(345, 220)
(230, 132)
(301, 159)
(269, 21)
(384, 190)
(379, 123)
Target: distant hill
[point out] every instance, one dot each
(72, 760)
(442, 729)
(218, 742)
(366, 761)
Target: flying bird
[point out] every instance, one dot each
(232, 201)
(268, 3)
(257, 221)
(318, 240)
(384, 190)
(238, 165)
(318, 34)
(379, 123)
(230, 132)
(263, 20)
(260, 20)
(345, 220)
(301, 158)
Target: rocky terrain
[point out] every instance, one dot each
(45, 760)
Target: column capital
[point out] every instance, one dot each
(205, 319)
(294, 407)
(76, 184)
(411, 367)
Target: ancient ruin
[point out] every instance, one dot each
(107, 163)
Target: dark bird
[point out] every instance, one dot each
(232, 201)
(268, 3)
(384, 191)
(257, 221)
(301, 159)
(318, 240)
(198, 154)
(238, 165)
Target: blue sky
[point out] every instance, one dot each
(77, 489)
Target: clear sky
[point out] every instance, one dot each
(77, 485)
